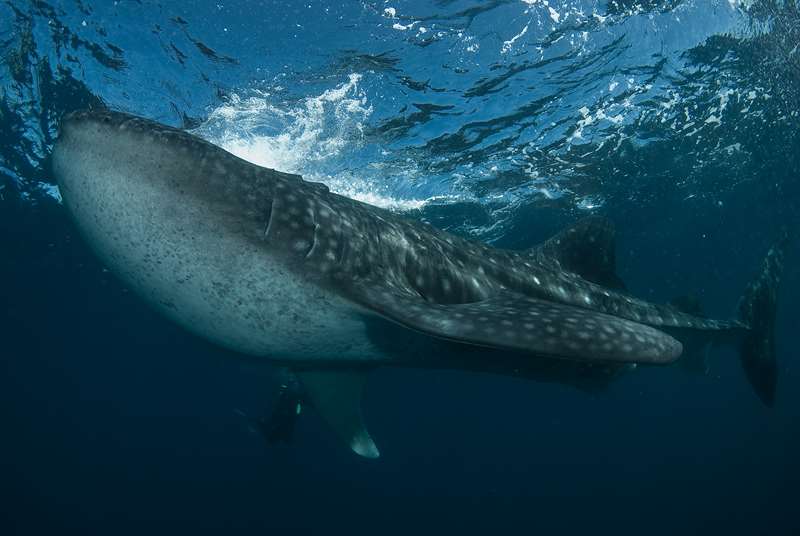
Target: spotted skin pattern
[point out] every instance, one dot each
(275, 267)
(403, 270)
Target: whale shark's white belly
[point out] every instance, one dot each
(179, 257)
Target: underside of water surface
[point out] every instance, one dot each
(499, 120)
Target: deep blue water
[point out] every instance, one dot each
(503, 120)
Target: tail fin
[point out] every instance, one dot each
(757, 311)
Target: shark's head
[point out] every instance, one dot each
(97, 147)
(108, 161)
(206, 238)
(131, 184)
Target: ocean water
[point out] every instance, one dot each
(500, 120)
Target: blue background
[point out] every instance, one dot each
(500, 120)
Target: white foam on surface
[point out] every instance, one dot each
(507, 45)
(306, 137)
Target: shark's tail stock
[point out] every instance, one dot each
(757, 311)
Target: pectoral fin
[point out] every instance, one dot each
(513, 322)
(336, 395)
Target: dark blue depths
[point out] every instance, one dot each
(502, 120)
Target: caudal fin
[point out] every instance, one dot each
(757, 312)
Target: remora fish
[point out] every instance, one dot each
(270, 265)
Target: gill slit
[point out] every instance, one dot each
(314, 241)
(271, 216)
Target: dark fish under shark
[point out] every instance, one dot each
(270, 265)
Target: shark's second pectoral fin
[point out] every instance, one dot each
(336, 395)
(511, 321)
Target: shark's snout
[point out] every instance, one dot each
(76, 115)
(84, 117)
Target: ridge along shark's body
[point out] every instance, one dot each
(269, 265)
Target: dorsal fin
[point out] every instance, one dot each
(586, 248)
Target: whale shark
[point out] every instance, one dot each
(278, 268)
